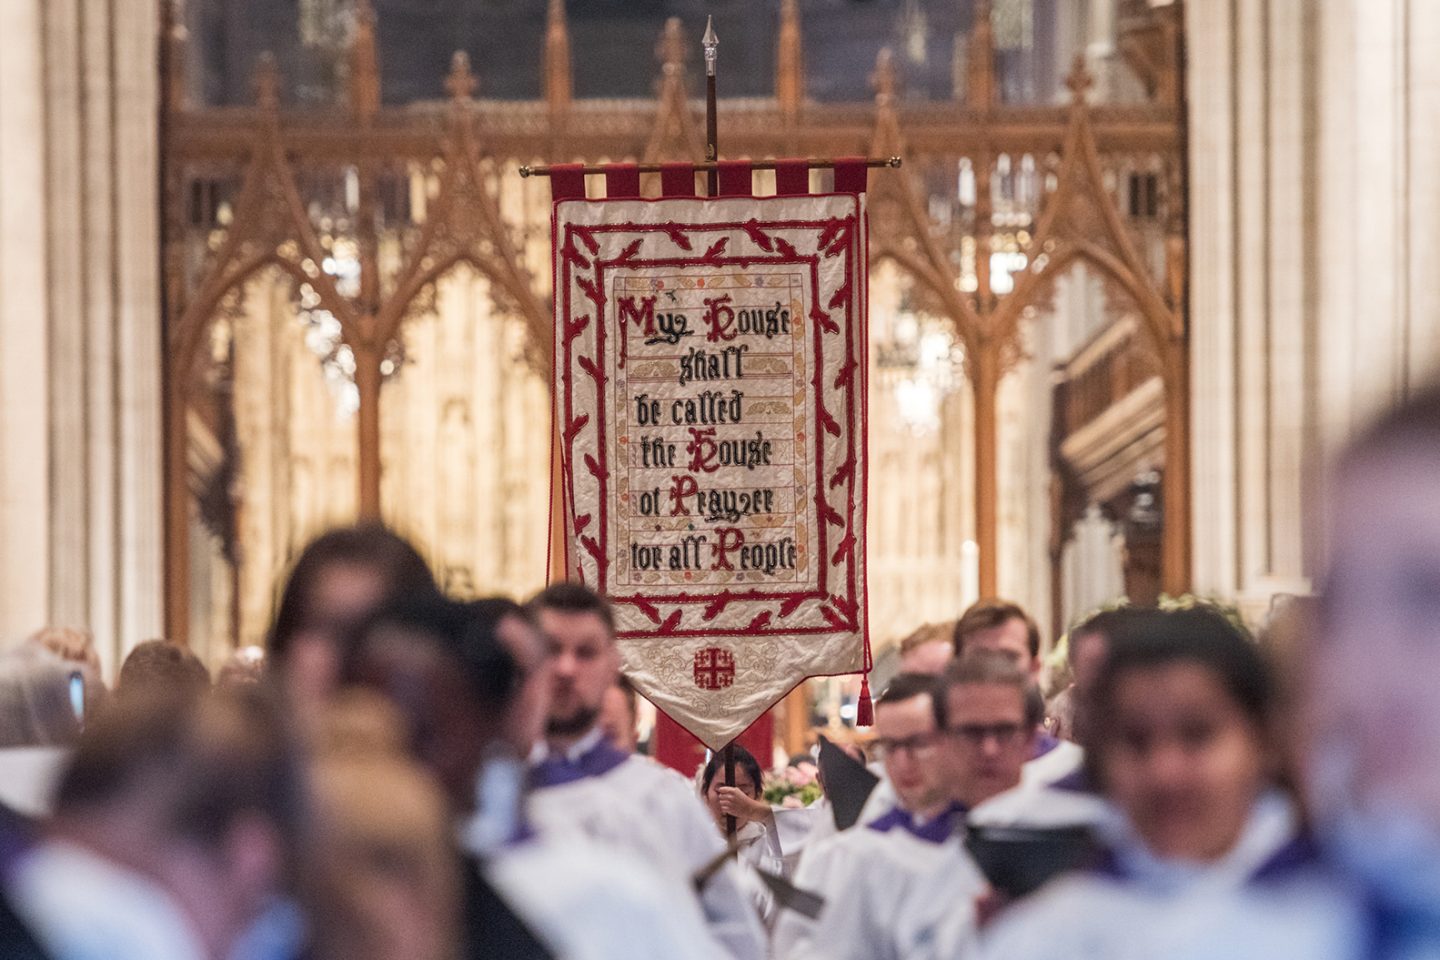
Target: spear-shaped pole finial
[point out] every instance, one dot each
(711, 43)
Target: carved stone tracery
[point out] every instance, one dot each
(470, 147)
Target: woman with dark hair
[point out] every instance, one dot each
(731, 801)
(339, 580)
(756, 837)
(1205, 853)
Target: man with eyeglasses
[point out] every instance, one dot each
(988, 722)
(867, 874)
(1005, 628)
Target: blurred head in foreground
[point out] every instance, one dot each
(340, 579)
(452, 680)
(1086, 646)
(159, 666)
(1369, 684)
(381, 873)
(1182, 739)
(202, 798)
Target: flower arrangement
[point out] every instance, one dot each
(792, 787)
(1190, 601)
(1057, 662)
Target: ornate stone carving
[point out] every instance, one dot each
(468, 210)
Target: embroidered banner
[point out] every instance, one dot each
(710, 396)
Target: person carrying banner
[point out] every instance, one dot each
(757, 838)
(583, 785)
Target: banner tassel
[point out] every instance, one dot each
(864, 709)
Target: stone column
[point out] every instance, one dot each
(1423, 189)
(1315, 184)
(24, 309)
(1212, 304)
(80, 436)
(138, 328)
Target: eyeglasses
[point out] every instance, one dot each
(893, 747)
(975, 734)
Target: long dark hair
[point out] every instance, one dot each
(744, 759)
(399, 566)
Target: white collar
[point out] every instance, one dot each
(499, 803)
(81, 905)
(919, 819)
(751, 832)
(1272, 824)
(575, 751)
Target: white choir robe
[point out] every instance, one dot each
(1061, 761)
(81, 906)
(1259, 902)
(1058, 763)
(797, 827)
(758, 848)
(587, 902)
(952, 934)
(653, 812)
(886, 895)
(1042, 807)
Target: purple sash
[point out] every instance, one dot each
(937, 830)
(1044, 743)
(523, 834)
(1397, 932)
(554, 771)
(1291, 858)
(1076, 781)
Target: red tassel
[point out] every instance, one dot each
(864, 709)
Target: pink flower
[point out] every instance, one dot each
(801, 775)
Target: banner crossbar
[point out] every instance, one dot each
(816, 163)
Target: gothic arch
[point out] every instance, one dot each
(674, 134)
(908, 240)
(1080, 221)
(466, 227)
(201, 314)
(277, 151)
(268, 215)
(1056, 264)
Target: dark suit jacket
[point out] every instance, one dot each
(16, 941)
(492, 930)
